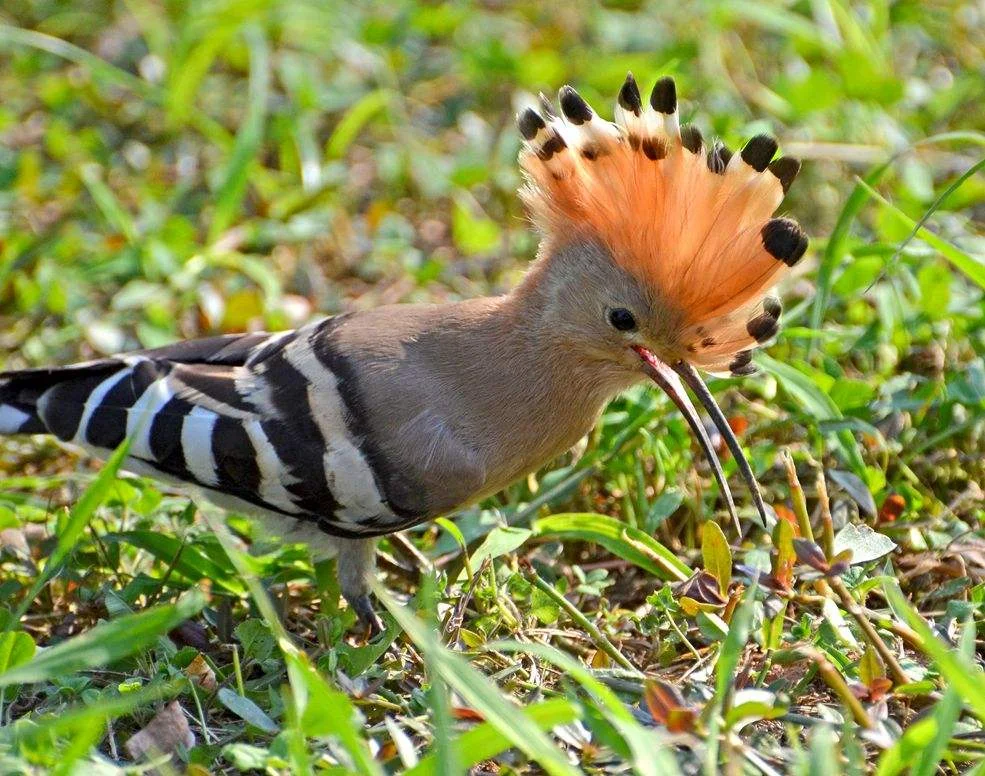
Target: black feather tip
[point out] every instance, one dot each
(691, 138)
(785, 168)
(742, 364)
(629, 96)
(530, 123)
(759, 151)
(663, 98)
(718, 158)
(575, 108)
(772, 307)
(763, 327)
(784, 240)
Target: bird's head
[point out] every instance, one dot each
(660, 248)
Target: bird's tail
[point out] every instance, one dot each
(18, 407)
(690, 219)
(25, 394)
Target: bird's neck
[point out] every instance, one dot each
(529, 395)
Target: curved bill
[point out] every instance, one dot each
(696, 384)
(668, 377)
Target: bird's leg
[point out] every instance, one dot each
(356, 562)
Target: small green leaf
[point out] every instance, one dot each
(866, 544)
(359, 114)
(257, 640)
(473, 234)
(870, 667)
(716, 554)
(247, 710)
(16, 648)
(501, 540)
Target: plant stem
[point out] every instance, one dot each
(798, 498)
(871, 635)
(837, 683)
(594, 633)
(827, 524)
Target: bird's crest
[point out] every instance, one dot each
(692, 221)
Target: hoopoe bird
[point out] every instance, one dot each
(657, 251)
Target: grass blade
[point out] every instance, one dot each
(970, 266)
(231, 191)
(960, 673)
(511, 721)
(78, 519)
(484, 741)
(817, 405)
(650, 757)
(107, 642)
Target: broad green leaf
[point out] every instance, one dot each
(618, 538)
(473, 234)
(716, 554)
(752, 705)
(106, 643)
(16, 648)
(257, 640)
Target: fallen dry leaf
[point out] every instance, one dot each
(200, 672)
(162, 735)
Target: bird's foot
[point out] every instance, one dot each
(363, 607)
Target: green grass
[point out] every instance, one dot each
(171, 170)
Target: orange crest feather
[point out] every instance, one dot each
(693, 223)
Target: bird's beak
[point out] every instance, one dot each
(668, 377)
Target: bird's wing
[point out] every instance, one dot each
(258, 418)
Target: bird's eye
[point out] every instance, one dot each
(622, 319)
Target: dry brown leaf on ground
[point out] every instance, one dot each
(167, 731)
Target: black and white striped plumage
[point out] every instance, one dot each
(268, 422)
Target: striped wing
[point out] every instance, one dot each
(259, 419)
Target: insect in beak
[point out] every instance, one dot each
(669, 377)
